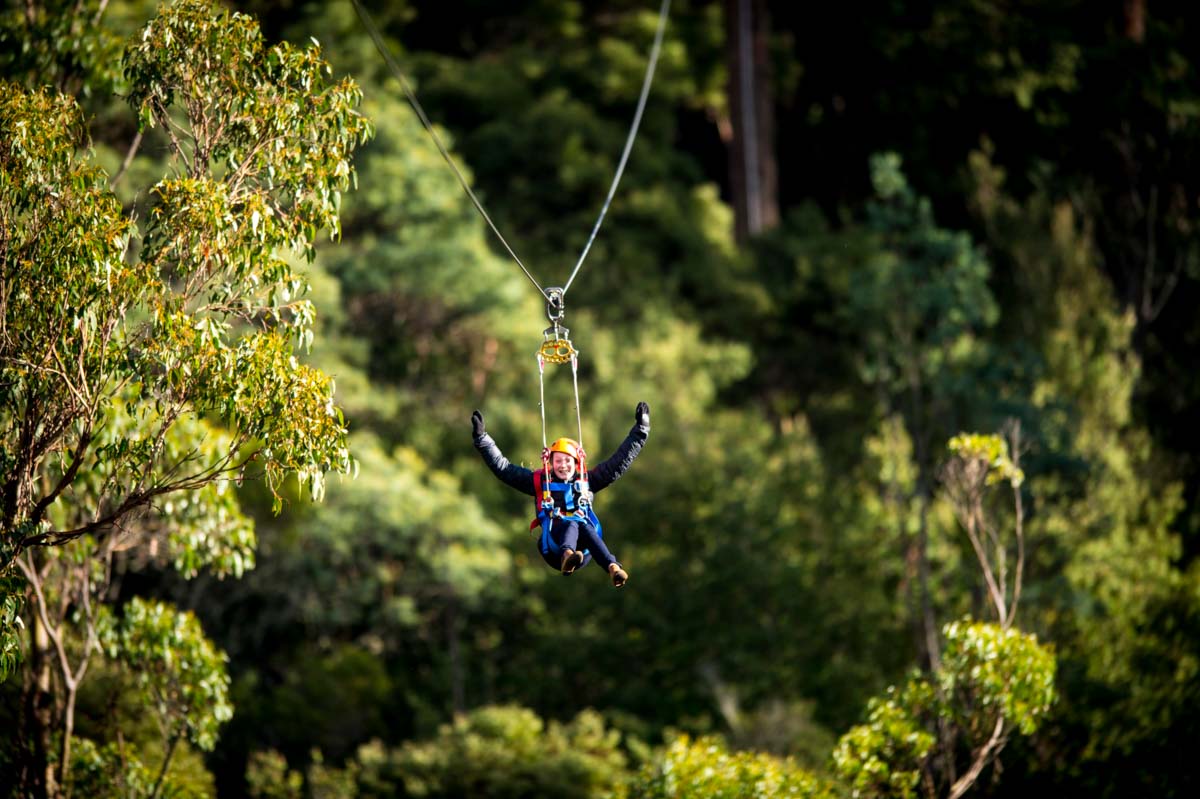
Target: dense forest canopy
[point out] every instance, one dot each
(909, 289)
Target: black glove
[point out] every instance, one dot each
(477, 424)
(642, 415)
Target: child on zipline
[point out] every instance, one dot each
(571, 534)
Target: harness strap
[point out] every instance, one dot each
(546, 512)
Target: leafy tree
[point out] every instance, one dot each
(989, 682)
(977, 462)
(124, 351)
(178, 672)
(268, 777)
(706, 769)
(887, 755)
(104, 772)
(1109, 572)
(500, 751)
(372, 611)
(60, 43)
(992, 683)
(922, 300)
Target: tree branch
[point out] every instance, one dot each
(982, 756)
(34, 580)
(130, 504)
(68, 477)
(162, 772)
(168, 125)
(239, 175)
(133, 148)
(1014, 447)
(1156, 305)
(988, 576)
(57, 537)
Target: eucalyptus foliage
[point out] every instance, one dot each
(193, 321)
(149, 355)
(59, 43)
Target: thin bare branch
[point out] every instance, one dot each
(981, 758)
(85, 440)
(168, 419)
(162, 772)
(58, 537)
(76, 19)
(133, 502)
(1156, 305)
(34, 579)
(1000, 556)
(92, 641)
(169, 125)
(1014, 447)
(129, 154)
(989, 577)
(1151, 219)
(239, 175)
(36, 367)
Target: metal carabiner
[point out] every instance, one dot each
(554, 305)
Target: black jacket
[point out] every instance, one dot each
(599, 477)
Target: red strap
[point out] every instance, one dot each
(537, 506)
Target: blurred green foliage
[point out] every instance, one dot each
(181, 676)
(498, 751)
(987, 218)
(706, 769)
(991, 682)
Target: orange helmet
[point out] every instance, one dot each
(568, 446)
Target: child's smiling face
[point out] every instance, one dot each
(562, 464)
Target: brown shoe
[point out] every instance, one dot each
(619, 575)
(571, 560)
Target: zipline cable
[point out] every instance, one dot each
(663, 13)
(369, 24)
(637, 120)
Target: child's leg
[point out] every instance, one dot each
(572, 558)
(564, 535)
(595, 544)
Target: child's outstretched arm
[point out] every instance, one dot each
(509, 473)
(606, 473)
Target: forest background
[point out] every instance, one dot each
(847, 233)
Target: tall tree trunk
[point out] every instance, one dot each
(1135, 20)
(753, 170)
(929, 625)
(64, 765)
(919, 429)
(38, 773)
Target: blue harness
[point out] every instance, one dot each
(547, 512)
